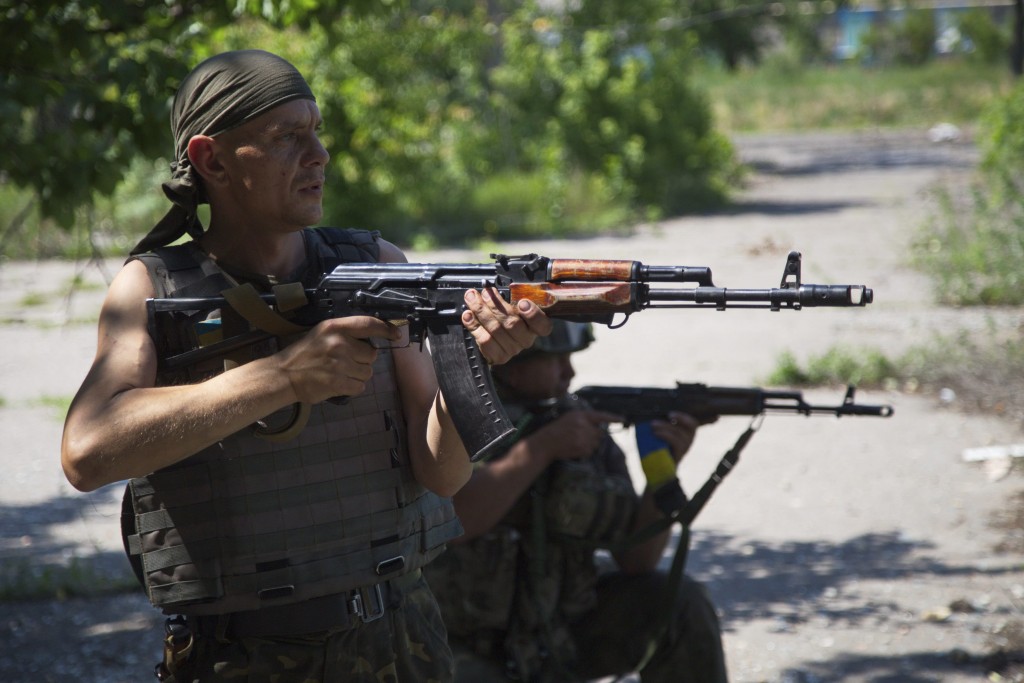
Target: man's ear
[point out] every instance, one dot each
(203, 153)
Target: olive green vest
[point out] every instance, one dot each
(510, 593)
(250, 522)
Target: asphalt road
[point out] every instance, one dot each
(856, 550)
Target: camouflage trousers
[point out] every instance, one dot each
(408, 644)
(614, 637)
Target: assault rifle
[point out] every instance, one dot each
(428, 297)
(642, 404)
(638, 405)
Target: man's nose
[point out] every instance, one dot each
(318, 153)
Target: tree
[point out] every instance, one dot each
(1017, 53)
(85, 85)
(604, 92)
(423, 101)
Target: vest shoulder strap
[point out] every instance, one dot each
(183, 270)
(330, 247)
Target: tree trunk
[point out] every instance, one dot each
(1017, 51)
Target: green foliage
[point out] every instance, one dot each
(521, 205)
(779, 96)
(420, 100)
(903, 37)
(85, 88)
(982, 38)
(984, 375)
(83, 83)
(59, 405)
(403, 101)
(837, 365)
(21, 579)
(973, 245)
(605, 103)
(729, 29)
(740, 33)
(1002, 146)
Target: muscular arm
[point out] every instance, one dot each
(120, 425)
(439, 459)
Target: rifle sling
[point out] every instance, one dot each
(685, 517)
(246, 301)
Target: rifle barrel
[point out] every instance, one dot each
(775, 298)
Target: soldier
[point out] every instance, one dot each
(287, 539)
(521, 592)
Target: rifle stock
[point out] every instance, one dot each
(429, 298)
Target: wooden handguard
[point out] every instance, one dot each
(578, 299)
(583, 269)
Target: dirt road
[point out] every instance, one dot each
(856, 550)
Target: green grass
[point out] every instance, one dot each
(59, 404)
(778, 97)
(985, 372)
(972, 249)
(33, 299)
(838, 365)
(21, 579)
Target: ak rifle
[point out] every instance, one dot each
(643, 404)
(428, 297)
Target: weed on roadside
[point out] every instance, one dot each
(980, 376)
(21, 579)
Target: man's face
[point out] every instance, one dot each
(276, 167)
(539, 376)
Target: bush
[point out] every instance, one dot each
(906, 38)
(525, 206)
(982, 38)
(973, 246)
(985, 376)
(838, 365)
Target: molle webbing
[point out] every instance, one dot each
(249, 523)
(330, 247)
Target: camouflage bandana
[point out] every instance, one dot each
(222, 93)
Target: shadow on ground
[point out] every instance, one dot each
(115, 637)
(796, 583)
(46, 549)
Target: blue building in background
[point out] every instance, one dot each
(849, 24)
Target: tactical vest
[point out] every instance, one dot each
(579, 501)
(511, 592)
(250, 523)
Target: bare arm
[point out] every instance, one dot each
(439, 459)
(120, 425)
